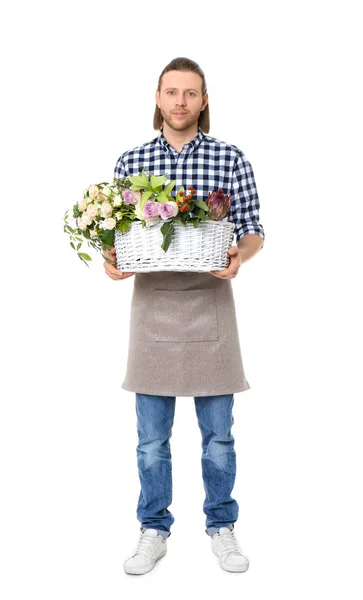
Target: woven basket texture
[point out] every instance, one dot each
(202, 248)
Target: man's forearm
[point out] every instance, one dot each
(249, 245)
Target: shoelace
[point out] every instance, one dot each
(146, 544)
(230, 543)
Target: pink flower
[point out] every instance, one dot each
(131, 197)
(167, 209)
(150, 209)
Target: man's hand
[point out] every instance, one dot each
(234, 265)
(111, 270)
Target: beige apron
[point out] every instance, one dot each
(183, 338)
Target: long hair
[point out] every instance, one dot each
(184, 64)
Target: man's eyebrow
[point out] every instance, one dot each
(187, 89)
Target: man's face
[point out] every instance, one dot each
(180, 99)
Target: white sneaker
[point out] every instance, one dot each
(225, 545)
(150, 547)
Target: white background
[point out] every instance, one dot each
(78, 90)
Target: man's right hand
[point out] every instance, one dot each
(111, 270)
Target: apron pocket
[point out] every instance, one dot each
(185, 315)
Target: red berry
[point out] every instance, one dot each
(180, 193)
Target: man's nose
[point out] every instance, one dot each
(180, 101)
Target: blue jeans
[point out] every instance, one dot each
(155, 418)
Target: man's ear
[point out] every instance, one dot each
(205, 101)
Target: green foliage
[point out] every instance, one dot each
(107, 236)
(201, 204)
(124, 225)
(167, 230)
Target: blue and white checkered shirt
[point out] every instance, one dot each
(207, 164)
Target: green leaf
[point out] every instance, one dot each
(124, 225)
(167, 230)
(82, 259)
(84, 255)
(169, 188)
(79, 245)
(162, 197)
(179, 220)
(138, 188)
(108, 237)
(145, 197)
(71, 243)
(201, 204)
(155, 182)
(76, 211)
(140, 180)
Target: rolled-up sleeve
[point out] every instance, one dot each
(245, 204)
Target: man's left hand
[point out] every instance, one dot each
(235, 262)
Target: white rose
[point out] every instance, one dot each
(110, 223)
(93, 233)
(106, 191)
(92, 210)
(86, 219)
(106, 209)
(117, 201)
(82, 204)
(93, 191)
(81, 224)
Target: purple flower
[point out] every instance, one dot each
(131, 197)
(150, 209)
(167, 209)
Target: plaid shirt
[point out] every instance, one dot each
(207, 164)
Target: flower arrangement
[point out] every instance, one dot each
(106, 207)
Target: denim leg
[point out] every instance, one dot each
(215, 421)
(155, 418)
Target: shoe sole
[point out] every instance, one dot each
(145, 568)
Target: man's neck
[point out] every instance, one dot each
(178, 138)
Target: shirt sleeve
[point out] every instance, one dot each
(120, 169)
(245, 204)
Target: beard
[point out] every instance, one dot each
(176, 125)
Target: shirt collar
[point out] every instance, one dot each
(192, 144)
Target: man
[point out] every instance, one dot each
(189, 156)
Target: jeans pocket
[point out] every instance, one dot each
(185, 315)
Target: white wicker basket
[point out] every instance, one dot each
(202, 248)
